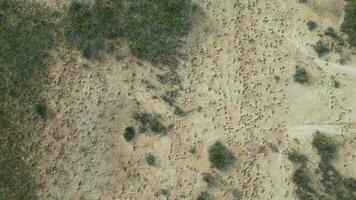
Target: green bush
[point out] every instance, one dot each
(311, 25)
(325, 145)
(148, 121)
(336, 83)
(301, 178)
(321, 48)
(40, 108)
(331, 32)
(204, 196)
(219, 156)
(129, 133)
(349, 24)
(151, 159)
(301, 75)
(296, 157)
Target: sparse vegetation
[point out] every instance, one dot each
(152, 28)
(301, 75)
(179, 112)
(296, 157)
(219, 156)
(151, 159)
(209, 179)
(321, 48)
(148, 121)
(129, 133)
(301, 177)
(333, 184)
(349, 24)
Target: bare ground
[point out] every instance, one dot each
(232, 55)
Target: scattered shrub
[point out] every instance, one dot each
(209, 179)
(325, 145)
(219, 156)
(204, 196)
(331, 32)
(193, 149)
(178, 111)
(349, 24)
(151, 159)
(148, 121)
(301, 75)
(129, 133)
(336, 83)
(311, 25)
(350, 183)
(40, 108)
(296, 157)
(301, 178)
(321, 48)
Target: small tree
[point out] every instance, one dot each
(321, 48)
(129, 133)
(301, 75)
(219, 156)
(151, 159)
(311, 25)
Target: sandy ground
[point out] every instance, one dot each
(233, 53)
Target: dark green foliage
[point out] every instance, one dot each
(178, 111)
(204, 196)
(129, 133)
(193, 149)
(25, 38)
(336, 83)
(219, 156)
(89, 25)
(301, 177)
(349, 24)
(40, 108)
(164, 192)
(350, 183)
(209, 179)
(296, 157)
(325, 145)
(332, 185)
(301, 75)
(331, 32)
(311, 25)
(321, 48)
(148, 121)
(155, 29)
(152, 28)
(151, 159)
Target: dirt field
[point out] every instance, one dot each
(228, 68)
